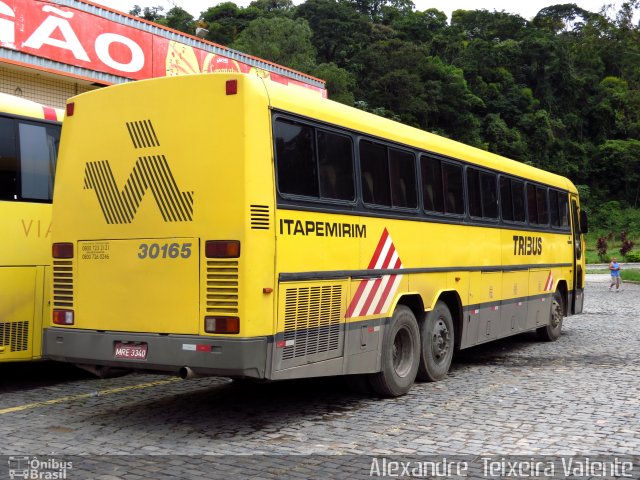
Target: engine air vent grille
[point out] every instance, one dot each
(15, 335)
(63, 283)
(222, 287)
(312, 320)
(260, 217)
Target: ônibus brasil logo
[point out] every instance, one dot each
(149, 172)
(38, 469)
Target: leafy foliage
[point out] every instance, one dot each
(560, 91)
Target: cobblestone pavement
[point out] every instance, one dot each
(578, 396)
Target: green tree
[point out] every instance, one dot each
(181, 20)
(340, 83)
(279, 39)
(226, 20)
(339, 31)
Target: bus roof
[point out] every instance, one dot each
(26, 108)
(299, 102)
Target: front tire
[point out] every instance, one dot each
(437, 342)
(552, 331)
(400, 355)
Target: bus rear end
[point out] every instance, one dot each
(153, 216)
(29, 138)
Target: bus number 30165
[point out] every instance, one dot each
(165, 250)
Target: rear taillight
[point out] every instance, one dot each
(222, 325)
(62, 250)
(71, 107)
(63, 317)
(232, 87)
(222, 248)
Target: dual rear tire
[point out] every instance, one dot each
(410, 351)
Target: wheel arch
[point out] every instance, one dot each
(451, 298)
(454, 304)
(564, 291)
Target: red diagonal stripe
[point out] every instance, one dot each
(376, 254)
(388, 288)
(376, 285)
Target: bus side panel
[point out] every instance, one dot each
(539, 299)
(17, 309)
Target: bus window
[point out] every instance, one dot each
(488, 186)
(374, 171)
(295, 157)
(403, 179)
(553, 208)
(543, 211)
(512, 199)
(8, 160)
(335, 162)
(532, 206)
(537, 205)
(473, 192)
(506, 199)
(431, 172)
(453, 188)
(481, 189)
(558, 209)
(517, 191)
(38, 150)
(563, 210)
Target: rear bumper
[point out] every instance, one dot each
(242, 357)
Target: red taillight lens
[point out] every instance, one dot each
(232, 87)
(222, 325)
(62, 250)
(63, 317)
(71, 107)
(222, 248)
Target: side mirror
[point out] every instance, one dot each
(584, 223)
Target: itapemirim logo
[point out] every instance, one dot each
(149, 172)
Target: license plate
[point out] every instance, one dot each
(135, 351)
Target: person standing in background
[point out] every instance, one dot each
(614, 268)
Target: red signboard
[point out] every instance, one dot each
(81, 39)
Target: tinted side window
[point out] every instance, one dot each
(532, 205)
(296, 159)
(374, 171)
(553, 208)
(482, 191)
(8, 160)
(453, 188)
(488, 186)
(506, 199)
(403, 179)
(335, 160)
(537, 205)
(563, 209)
(473, 192)
(558, 209)
(517, 191)
(38, 154)
(543, 210)
(431, 173)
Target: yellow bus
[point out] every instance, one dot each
(29, 139)
(224, 225)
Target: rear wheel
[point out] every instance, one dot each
(552, 331)
(437, 342)
(400, 355)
